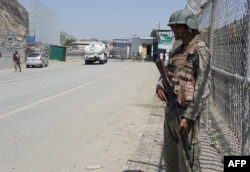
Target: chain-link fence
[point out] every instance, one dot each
(224, 25)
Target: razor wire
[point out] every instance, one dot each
(224, 25)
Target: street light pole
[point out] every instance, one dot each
(158, 25)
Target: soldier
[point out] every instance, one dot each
(17, 61)
(166, 56)
(161, 56)
(189, 73)
(133, 56)
(138, 56)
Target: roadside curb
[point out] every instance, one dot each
(147, 157)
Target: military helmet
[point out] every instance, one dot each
(184, 17)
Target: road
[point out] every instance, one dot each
(71, 117)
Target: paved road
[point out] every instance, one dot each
(74, 117)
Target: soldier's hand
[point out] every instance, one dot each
(185, 125)
(160, 91)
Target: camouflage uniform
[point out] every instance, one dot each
(17, 61)
(173, 153)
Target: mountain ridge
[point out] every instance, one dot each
(14, 19)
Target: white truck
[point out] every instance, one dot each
(95, 52)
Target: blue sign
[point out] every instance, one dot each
(11, 35)
(31, 40)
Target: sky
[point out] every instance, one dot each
(111, 19)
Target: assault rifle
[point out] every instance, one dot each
(175, 105)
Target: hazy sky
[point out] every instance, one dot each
(111, 19)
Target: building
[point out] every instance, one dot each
(143, 45)
(148, 47)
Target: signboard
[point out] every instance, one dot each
(165, 42)
(165, 39)
(165, 47)
(31, 40)
(11, 35)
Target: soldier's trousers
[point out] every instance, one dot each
(173, 153)
(17, 64)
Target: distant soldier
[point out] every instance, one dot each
(133, 56)
(138, 55)
(161, 56)
(166, 56)
(17, 62)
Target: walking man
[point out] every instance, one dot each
(161, 56)
(189, 73)
(17, 61)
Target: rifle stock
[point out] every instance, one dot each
(175, 105)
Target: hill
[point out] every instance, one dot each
(13, 18)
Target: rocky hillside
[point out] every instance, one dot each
(13, 18)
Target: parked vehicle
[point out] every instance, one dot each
(37, 59)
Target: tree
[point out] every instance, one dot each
(68, 42)
(153, 33)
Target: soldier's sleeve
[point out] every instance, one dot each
(202, 85)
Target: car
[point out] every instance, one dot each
(37, 59)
